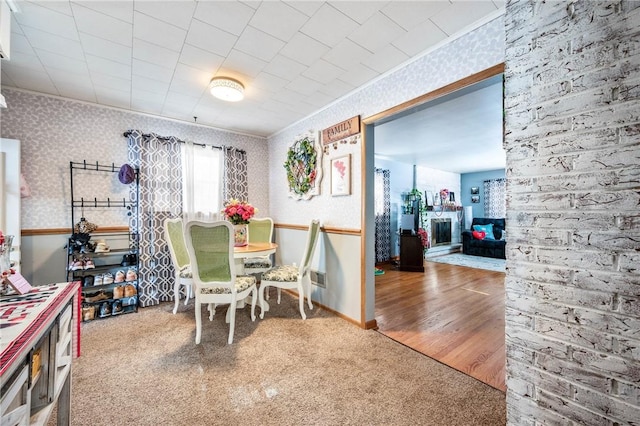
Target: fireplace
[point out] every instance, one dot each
(440, 232)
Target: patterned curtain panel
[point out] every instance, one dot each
(495, 198)
(160, 196)
(236, 182)
(383, 215)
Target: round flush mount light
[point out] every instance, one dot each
(227, 89)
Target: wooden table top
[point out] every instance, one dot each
(255, 249)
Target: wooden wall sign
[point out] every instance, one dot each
(341, 130)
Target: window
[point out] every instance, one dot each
(202, 179)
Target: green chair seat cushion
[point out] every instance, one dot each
(257, 262)
(185, 272)
(243, 282)
(284, 273)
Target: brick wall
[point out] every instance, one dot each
(572, 90)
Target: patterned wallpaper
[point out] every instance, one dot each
(54, 131)
(471, 53)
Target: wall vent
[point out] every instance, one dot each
(318, 278)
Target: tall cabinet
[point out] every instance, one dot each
(104, 262)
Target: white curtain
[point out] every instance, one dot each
(202, 171)
(495, 198)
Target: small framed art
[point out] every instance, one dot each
(341, 175)
(475, 190)
(475, 198)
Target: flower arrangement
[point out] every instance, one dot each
(444, 194)
(424, 238)
(238, 212)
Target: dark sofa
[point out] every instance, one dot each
(487, 248)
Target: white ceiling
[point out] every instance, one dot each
(459, 133)
(158, 57)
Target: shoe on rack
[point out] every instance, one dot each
(107, 278)
(105, 309)
(87, 281)
(130, 290)
(95, 297)
(88, 313)
(88, 263)
(117, 307)
(131, 275)
(102, 247)
(119, 276)
(97, 280)
(76, 265)
(118, 292)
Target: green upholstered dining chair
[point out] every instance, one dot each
(292, 276)
(174, 235)
(260, 231)
(210, 247)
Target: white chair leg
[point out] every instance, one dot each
(187, 293)
(254, 296)
(198, 322)
(176, 295)
(308, 291)
(232, 321)
(301, 301)
(279, 292)
(227, 318)
(263, 288)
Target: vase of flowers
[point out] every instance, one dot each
(239, 213)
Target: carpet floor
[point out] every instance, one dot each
(145, 369)
(478, 262)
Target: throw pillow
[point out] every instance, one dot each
(478, 235)
(487, 229)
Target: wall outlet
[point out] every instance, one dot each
(318, 278)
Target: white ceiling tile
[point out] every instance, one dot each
(256, 43)
(5, 80)
(122, 10)
(55, 61)
(358, 75)
(110, 82)
(25, 61)
(304, 85)
(329, 26)
(210, 38)
(27, 78)
(420, 38)
(228, 16)
(200, 59)
(284, 67)
(242, 63)
(113, 98)
(20, 44)
(152, 71)
(360, 11)
(67, 79)
(306, 7)
(289, 20)
(377, 32)
(302, 48)
(268, 82)
(157, 32)
(100, 47)
(101, 25)
(194, 76)
(154, 54)
(15, 25)
(409, 14)
(288, 96)
(319, 100)
(138, 93)
(181, 100)
(499, 4)
(461, 14)
(36, 16)
(53, 43)
(76, 92)
(337, 89)
(106, 66)
(63, 6)
(176, 13)
(194, 89)
(347, 53)
(386, 58)
(323, 72)
(147, 106)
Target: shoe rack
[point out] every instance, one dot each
(105, 263)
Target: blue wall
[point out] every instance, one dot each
(469, 180)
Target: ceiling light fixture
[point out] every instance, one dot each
(227, 89)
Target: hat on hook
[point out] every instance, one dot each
(126, 174)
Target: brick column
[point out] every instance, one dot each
(572, 86)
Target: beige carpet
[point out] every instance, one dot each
(145, 369)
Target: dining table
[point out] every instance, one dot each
(240, 253)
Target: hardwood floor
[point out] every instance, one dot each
(453, 314)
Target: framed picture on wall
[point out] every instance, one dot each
(341, 175)
(475, 190)
(475, 198)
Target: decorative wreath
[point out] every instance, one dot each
(302, 168)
